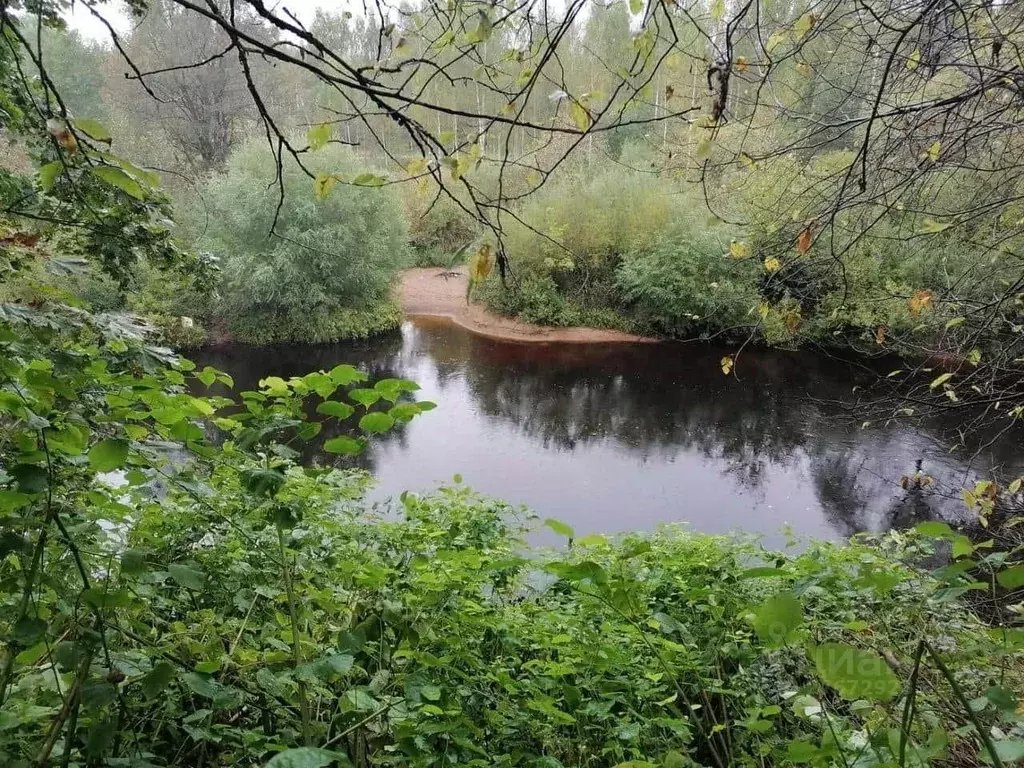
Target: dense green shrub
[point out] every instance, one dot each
(329, 262)
(689, 284)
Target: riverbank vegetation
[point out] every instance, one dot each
(176, 589)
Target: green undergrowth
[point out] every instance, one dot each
(170, 600)
(338, 325)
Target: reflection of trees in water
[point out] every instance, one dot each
(380, 357)
(654, 401)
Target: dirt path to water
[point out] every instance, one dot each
(436, 292)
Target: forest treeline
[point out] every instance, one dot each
(669, 223)
(174, 596)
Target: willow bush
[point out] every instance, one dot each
(306, 266)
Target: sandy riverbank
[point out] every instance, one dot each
(434, 292)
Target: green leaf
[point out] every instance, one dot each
(932, 227)
(49, 174)
(109, 454)
(345, 445)
(208, 375)
(323, 184)
(71, 439)
(935, 529)
(365, 397)
(335, 409)
(1009, 751)
(856, 674)
(94, 129)
(118, 178)
(318, 136)
(187, 577)
(717, 10)
(346, 374)
(305, 757)
(777, 618)
(97, 694)
(12, 500)
(29, 630)
(635, 6)
(133, 562)
(954, 322)
(580, 116)
(376, 422)
(938, 381)
(369, 180)
(560, 528)
(1011, 578)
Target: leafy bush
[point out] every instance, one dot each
(330, 262)
(689, 284)
(582, 226)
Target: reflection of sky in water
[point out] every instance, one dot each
(616, 438)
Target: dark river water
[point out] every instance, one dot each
(609, 438)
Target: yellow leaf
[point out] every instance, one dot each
(938, 381)
(741, 63)
(792, 320)
(718, 10)
(776, 39)
(931, 226)
(727, 363)
(772, 265)
(318, 136)
(747, 160)
(704, 147)
(914, 60)
(803, 25)
(803, 68)
(580, 116)
(1015, 485)
(974, 356)
(416, 166)
(481, 264)
(323, 184)
(933, 151)
(739, 250)
(920, 301)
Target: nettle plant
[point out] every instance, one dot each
(121, 553)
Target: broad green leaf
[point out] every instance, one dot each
(1009, 751)
(158, 678)
(318, 136)
(207, 376)
(109, 454)
(344, 445)
(559, 527)
(369, 180)
(187, 577)
(777, 619)
(935, 529)
(856, 674)
(93, 129)
(365, 397)
(335, 409)
(346, 374)
(12, 500)
(118, 178)
(376, 422)
(1011, 578)
(49, 173)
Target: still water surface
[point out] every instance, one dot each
(621, 437)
